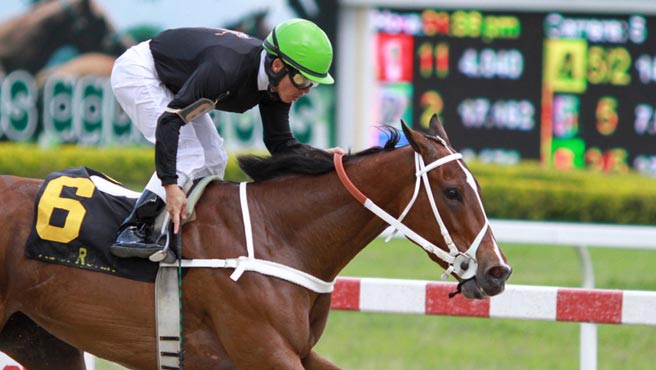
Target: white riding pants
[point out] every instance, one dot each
(144, 97)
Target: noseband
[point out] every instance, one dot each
(462, 264)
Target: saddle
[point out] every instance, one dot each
(77, 214)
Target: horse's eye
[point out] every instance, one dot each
(452, 194)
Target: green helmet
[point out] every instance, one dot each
(302, 45)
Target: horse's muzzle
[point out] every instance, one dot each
(488, 283)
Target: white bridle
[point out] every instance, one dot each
(462, 264)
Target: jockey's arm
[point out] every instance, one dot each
(278, 136)
(167, 135)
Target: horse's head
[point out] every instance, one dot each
(90, 28)
(460, 228)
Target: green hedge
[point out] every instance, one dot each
(526, 191)
(132, 166)
(530, 192)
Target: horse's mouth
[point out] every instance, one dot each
(470, 289)
(473, 290)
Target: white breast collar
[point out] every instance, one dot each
(250, 263)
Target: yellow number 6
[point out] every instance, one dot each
(51, 199)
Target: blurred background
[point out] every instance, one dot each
(566, 83)
(552, 103)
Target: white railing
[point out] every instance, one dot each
(581, 236)
(527, 302)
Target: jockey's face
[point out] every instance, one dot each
(287, 91)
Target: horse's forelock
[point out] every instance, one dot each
(393, 138)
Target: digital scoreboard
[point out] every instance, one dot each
(570, 89)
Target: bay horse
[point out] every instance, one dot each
(306, 213)
(28, 41)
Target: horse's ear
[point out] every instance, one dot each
(412, 136)
(436, 128)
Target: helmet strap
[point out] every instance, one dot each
(274, 77)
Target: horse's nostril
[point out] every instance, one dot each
(499, 272)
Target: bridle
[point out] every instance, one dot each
(462, 264)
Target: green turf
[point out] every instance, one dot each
(363, 341)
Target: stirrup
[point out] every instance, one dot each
(166, 254)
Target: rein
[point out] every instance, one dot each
(462, 264)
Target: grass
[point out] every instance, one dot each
(407, 342)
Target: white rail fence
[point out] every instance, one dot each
(624, 307)
(580, 236)
(530, 302)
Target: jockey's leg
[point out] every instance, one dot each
(143, 97)
(214, 154)
(134, 238)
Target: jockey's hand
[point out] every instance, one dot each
(337, 150)
(176, 205)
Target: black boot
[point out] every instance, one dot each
(134, 239)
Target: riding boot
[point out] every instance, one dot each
(134, 238)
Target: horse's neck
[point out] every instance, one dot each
(319, 223)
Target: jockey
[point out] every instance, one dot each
(169, 84)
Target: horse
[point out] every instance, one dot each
(307, 213)
(28, 41)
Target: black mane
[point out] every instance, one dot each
(312, 162)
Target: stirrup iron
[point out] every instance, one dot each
(165, 254)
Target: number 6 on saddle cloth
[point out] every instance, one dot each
(77, 214)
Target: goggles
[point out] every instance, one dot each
(298, 80)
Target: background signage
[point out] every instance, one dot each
(572, 90)
(62, 95)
